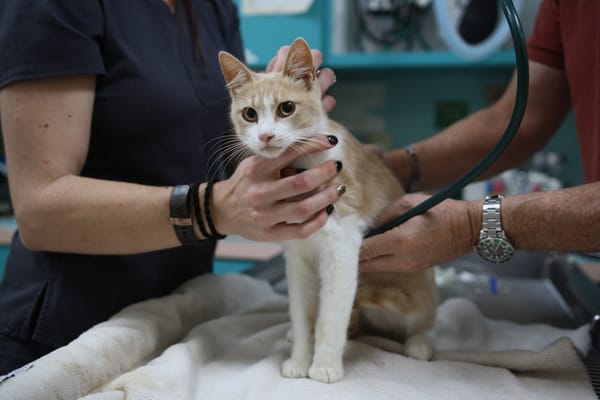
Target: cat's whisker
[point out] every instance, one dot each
(234, 151)
(226, 135)
(215, 146)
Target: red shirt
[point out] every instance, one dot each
(567, 36)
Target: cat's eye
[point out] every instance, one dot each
(249, 114)
(286, 109)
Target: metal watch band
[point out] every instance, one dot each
(492, 221)
(181, 216)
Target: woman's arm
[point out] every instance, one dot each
(46, 127)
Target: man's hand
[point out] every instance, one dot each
(445, 232)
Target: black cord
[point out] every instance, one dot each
(197, 211)
(522, 61)
(207, 213)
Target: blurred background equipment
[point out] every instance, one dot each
(473, 33)
(478, 21)
(385, 24)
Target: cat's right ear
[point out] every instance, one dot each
(234, 71)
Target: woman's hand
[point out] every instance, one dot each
(326, 76)
(445, 232)
(259, 204)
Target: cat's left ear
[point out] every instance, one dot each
(234, 71)
(299, 63)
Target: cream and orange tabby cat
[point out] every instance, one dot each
(328, 299)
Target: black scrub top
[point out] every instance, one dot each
(157, 106)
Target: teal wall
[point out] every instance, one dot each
(4, 250)
(406, 110)
(391, 96)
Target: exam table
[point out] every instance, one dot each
(515, 332)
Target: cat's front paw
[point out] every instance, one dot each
(326, 373)
(419, 347)
(292, 368)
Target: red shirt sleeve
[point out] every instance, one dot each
(545, 44)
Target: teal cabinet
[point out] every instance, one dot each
(4, 250)
(263, 35)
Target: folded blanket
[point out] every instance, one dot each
(224, 337)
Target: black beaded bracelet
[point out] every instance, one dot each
(197, 211)
(180, 215)
(414, 178)
(207, 214)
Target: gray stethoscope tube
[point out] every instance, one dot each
(522, 66)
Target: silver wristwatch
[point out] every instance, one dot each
(493, 245)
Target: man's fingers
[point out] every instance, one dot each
(380, 264)
(399, 207)
(376, 246)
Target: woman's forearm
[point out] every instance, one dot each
(90, 216)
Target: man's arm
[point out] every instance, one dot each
(561, 220)
(449, 154)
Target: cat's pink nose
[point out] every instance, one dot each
(266, 137)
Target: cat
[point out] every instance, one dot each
(329, 299)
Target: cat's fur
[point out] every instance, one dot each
(328, 299)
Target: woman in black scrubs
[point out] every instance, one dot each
(106, 105)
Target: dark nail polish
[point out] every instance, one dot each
(300, 170)
(339, 165)
(329, 209)
(333, 140)
(340, 189)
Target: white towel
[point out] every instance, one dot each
(224, 337)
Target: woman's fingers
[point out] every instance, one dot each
(274, 165)
(307, 181)
(287, 231)
(328, 103)
(326, 78)
(278, 62)
(295, 187)
(300, 210)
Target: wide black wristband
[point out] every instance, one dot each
(181, 217)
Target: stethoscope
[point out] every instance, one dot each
(522, 67)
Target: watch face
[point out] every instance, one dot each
(495, 250)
